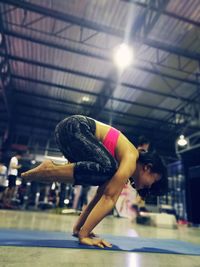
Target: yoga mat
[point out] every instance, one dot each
(27, 238)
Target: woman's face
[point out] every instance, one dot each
(144, 178)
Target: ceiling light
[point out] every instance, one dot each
(66, 201)
(18, 182)
(182, 141)
(53, 187)
(123, 56)
(85, 99)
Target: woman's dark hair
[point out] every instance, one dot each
(160, 187)
(143, 140)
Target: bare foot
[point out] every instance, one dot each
(40, 173)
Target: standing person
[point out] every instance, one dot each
(99, 155)
(13, 168)
(3, 178)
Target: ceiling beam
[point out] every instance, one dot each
(67, 112)
(105, 94)
(100, 28)
(5, 73)
(90, 106)
(70, 49)
(141, 129)
(95, 77)
(115, 112)
(164, 12)
(130, 86)
(146, 18)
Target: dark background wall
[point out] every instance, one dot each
(191, 162)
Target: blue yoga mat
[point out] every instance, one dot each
(26, 238)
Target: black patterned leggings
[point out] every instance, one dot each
(94, 165)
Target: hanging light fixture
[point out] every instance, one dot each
(123, 56)
(182, 141)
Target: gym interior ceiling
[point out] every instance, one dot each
(56, 60)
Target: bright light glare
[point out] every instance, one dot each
(18, 182)
(123, 56)
(66, 201)
(53, 186)
(182, 141)
(85, 99)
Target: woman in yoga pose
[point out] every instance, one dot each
(100, 155)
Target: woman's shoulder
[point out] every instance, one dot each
(125, 148)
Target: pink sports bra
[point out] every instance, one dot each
(110, 141)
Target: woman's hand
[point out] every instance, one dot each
(94, 242)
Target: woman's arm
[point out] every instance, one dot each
(84, 214)
(108, 199)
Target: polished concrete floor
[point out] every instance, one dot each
(18, 256)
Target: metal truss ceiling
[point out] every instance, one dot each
(158, 96)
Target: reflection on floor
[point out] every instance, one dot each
(16, 256)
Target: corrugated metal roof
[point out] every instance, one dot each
(89, 66)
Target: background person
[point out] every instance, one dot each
(13, 168)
